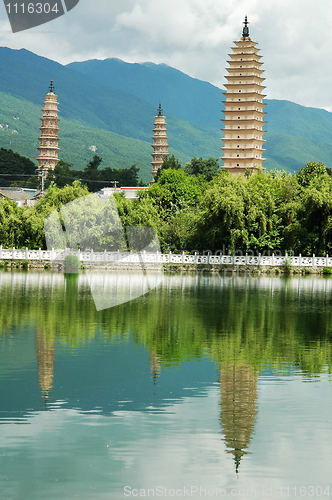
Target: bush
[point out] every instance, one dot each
(71, 263)
(287, 266)
(327, 270)
(25, 264)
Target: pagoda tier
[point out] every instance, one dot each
(160, 146)
(48, 140)
(243, 120)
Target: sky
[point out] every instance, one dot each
(195, 36)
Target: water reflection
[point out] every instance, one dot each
(238, 398)
(45, 361)
(218, 338)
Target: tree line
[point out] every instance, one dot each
(19, 171)
(200, 207)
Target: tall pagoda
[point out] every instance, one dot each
(243, 122)
(48, 140)
(160, 146)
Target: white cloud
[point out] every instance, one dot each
(195, 36)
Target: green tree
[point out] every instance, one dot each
(169, 162)
(209, 168)
(175, 190)
(311, 171)
(61, 175)
(14, 168)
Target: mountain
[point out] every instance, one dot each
(188, 98)
(295, 134)
(109, 106)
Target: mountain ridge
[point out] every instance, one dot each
(116, 101)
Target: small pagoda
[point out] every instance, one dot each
(48, 140)
(243, 122)
(160, 146)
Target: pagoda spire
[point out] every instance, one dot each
(243, 120)
(245, 31)
(160, 146)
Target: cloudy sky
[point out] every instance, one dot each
(195, 37)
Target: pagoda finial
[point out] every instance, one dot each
(245, 32)
(51, 86)
(160, 111)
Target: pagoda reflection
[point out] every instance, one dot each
(238, 392)
(45, 361)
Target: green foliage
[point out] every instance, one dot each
(310, 172)
(15, 170)
(71, 263)
(327, 270)
(61, 175)
(175, 190)
(169, 162)
(209, 168)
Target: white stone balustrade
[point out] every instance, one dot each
(159, 258)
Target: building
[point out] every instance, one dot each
(48, 140)
(243, 122)
(22, 196)
(160, 146)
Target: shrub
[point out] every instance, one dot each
(71, 263)
(327, 270)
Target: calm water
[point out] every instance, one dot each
(205, 387)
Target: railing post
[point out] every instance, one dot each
(273, 259)
(182, 257)
(13, 253)
(130, 256)
(327, 259)
(118, 256)
(246, 259)
(170, 256)
(144, 257)
(52, 254)
(104, 256)
(91, 255)
(313, 260)
(259, 259)
(208, 258)
(300, 260)
(157, 257)
(195, 260)
(39, 254)
(0, 251)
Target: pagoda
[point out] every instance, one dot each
(243, 122)
(160, 146)
(48, 140)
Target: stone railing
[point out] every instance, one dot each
(168, 258)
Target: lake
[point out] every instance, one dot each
(205, 386)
